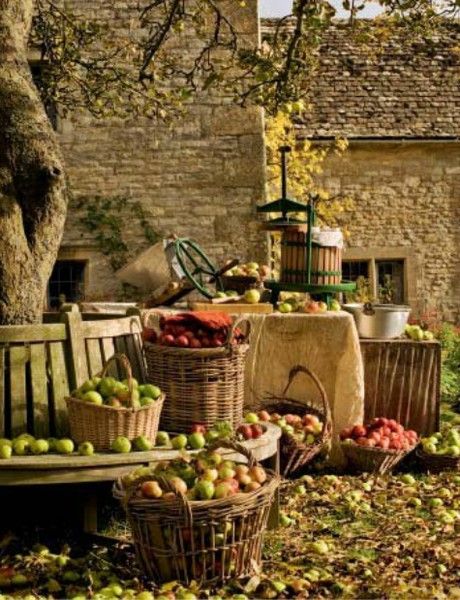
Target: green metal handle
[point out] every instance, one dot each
(187, 249)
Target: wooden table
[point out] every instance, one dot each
(57, 469)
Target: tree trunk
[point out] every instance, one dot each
(32, 184)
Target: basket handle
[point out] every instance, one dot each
(236, 323)
(123, 361)
(233, 444)
(146, 314)
(301, 369)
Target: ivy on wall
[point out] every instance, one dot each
(102, 218)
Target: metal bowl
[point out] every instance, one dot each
(379, 321)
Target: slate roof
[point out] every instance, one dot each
(396, 90)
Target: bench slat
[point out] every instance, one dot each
(93, 353)
(39, 380)
(2, 392)
(59, 386)
(33, 333)
(18, 358)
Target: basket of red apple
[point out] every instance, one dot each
(199, 518)
(104, 408)
(306, 426)
(377, 447)
(199, 360)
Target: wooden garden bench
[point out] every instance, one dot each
(39, 365)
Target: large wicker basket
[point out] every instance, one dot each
(205, 541)
(372, 460)
(201, 385)
(293, 454)
(101, 424)
(436, 463)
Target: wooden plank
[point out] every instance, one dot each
(136, 358)
(59, 387)
(18, 358)
(2, 392)
(93, 356)
(75, 351)
(262, 308)
(111, 327)
(107, 349)
(39, 385)
(32, 333)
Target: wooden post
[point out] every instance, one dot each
(77, 363)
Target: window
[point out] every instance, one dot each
(66, 283)
(390, 278)
(352, 269)
(386, 274)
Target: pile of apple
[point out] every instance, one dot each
(416, 333)
(293, 304)
(303, 429)
(206, 476)
(198, 438)
(383, 433)
(445, 443)
(109, 391)
(250, 269)
(192, 334)
(251, 429)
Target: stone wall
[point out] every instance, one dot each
(407, 205)
(201, 178)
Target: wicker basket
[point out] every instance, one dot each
(294, 454)
(372, 460)
(101, 424)
(435, 463)
(202, 385)
(206, 541)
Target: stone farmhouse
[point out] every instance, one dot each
(203, 177)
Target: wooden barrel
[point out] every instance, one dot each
(326, 265)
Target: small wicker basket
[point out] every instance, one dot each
(202, 385)
(372, 460)
(206, 541)
(293, 454)
(101, 424)
(436, 463)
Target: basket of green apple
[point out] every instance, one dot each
(199, 518)
(440, 451)
(306, 426)
(104, 409)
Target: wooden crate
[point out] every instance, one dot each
(402, 382)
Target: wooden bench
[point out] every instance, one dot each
(39, 365)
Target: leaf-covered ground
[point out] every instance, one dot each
(356, 537)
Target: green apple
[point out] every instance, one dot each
(285, 307)
(428, 335)
(146, 401)
(231, 293)
(408, 478)
(322, 307)
(134, 382)
(106, 386)
(204, 489)
(121, 445)
(429, 448)
(93, 398)
(251, 417)
(334, 305)
(144, 596)
(197, 440)
(86, 449)
(88, 386)
(435, 502)
(142, 444)
(26, 436)
(320, 547)
(453, 451)
(65, 446)
(179, 442)
(453, 437)
(6, 451)
(162, 439)
(21, 447)
(39, 447)
(220, 295)
(252, 296)
(211, 436)
(52, 444)
(6, 442)
(151, 391)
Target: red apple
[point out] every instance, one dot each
(246, 431)
(346, 433)
(264, 415)
(168, 340)
(359, 431)
(257, 430)
(198, 428)
(182, 341)
(384, 443)
(194, 343)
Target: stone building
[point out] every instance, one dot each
(400, 108)
(199, 178)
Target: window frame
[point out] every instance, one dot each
(372, 255)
